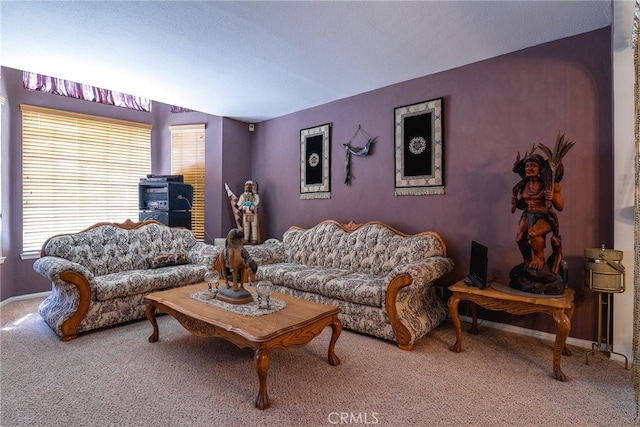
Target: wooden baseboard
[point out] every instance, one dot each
(24, 297)
(528, 332)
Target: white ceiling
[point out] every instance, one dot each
(258, 60)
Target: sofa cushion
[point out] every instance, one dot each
(371, 249)
(275, 272)
(297, 276)
(105, 249)
(166, 260)
(357, 288)
(270, 252)
(311, 279)
(358, 317)
(322, 245)
(127, 283)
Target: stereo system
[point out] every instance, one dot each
(165, 198)
(170, 218)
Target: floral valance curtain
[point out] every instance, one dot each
(176, 109)
(71, 89)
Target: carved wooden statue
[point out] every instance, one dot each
(538, 195)
(245, 211)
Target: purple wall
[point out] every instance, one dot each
(226, 139)
(236, 167)
(493, 110)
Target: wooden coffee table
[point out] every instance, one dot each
(293, 326)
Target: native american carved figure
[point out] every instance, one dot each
(245, 211)
(538, 195)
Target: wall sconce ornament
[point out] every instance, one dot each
(360, 152)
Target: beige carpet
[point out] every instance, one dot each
(115, 377)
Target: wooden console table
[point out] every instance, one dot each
(500, 297)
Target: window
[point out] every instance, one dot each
(78, 170)
(187, 159)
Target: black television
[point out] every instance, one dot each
(478, 265)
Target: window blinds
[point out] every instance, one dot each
(79, 170)
(187, 159)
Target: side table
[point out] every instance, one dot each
(499, 296)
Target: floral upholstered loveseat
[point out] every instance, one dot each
(101, 275)
(381, 278)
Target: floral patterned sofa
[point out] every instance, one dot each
(101, 275)
(382, 279)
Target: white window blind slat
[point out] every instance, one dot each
(187, 159)
(79, 170)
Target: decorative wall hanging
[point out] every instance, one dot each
(356, 151)
(419, 168)
(315, 162)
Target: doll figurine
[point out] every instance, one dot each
(245, 210)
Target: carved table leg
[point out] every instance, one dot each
(454, 300)
(569, 312)
(563, 326)
(474, 318)
(261, 359)
(151, 315)
(336, 329)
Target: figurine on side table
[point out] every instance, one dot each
(537, 195)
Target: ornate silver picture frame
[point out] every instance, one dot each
(315, 162)
(419, 168)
